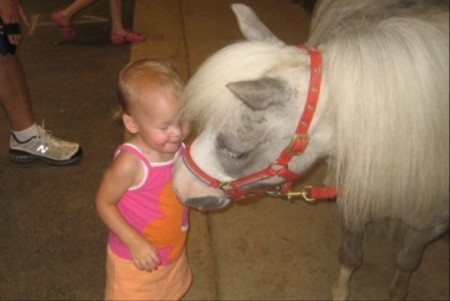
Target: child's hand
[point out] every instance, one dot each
(145, 256)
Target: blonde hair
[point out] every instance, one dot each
(149, 74)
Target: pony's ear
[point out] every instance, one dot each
(262, 93)
(251, 27)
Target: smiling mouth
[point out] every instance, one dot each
(177, 143)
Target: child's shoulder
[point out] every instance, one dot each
(128, 164)
(129, 147)
(127, 155)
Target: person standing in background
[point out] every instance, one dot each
(28, 141)
(119, 35)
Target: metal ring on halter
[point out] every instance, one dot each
(226, 186)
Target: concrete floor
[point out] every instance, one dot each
(52, 243)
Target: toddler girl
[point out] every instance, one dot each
(146, 257)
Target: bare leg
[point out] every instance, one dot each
(14, 97)
(409, 257)
(116, 17)
(119, 34)
(69, 12)
(350, 257)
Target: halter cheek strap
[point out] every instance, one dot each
(300, 140)
(237, 189)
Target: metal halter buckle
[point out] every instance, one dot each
(296, 138)
(304, 193)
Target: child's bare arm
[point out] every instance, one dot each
(117, 179)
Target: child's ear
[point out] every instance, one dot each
(129, 123)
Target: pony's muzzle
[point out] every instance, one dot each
(193, 192)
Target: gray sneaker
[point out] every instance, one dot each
(44, 147)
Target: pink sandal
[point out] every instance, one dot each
(128, 37)
(67, 31)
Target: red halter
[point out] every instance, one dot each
(236, 189)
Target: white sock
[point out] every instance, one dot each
(26, 134)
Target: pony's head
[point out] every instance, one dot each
(246, 100)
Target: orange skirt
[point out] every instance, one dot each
(125, 282)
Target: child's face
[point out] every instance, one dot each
(157, 122)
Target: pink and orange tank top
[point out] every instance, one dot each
(153, 209)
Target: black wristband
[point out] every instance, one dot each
(6, 48)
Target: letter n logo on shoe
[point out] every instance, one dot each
(42, 148)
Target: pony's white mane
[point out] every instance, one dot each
(206, 99)
(388, 84)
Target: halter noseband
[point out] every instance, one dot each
(236, 189)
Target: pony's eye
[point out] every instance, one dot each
(230, 153)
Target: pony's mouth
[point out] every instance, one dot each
(207, 203)
(235, 155)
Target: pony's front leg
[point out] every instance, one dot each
(408, 258)
(350, 257)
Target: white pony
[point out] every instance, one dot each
(381, 120)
